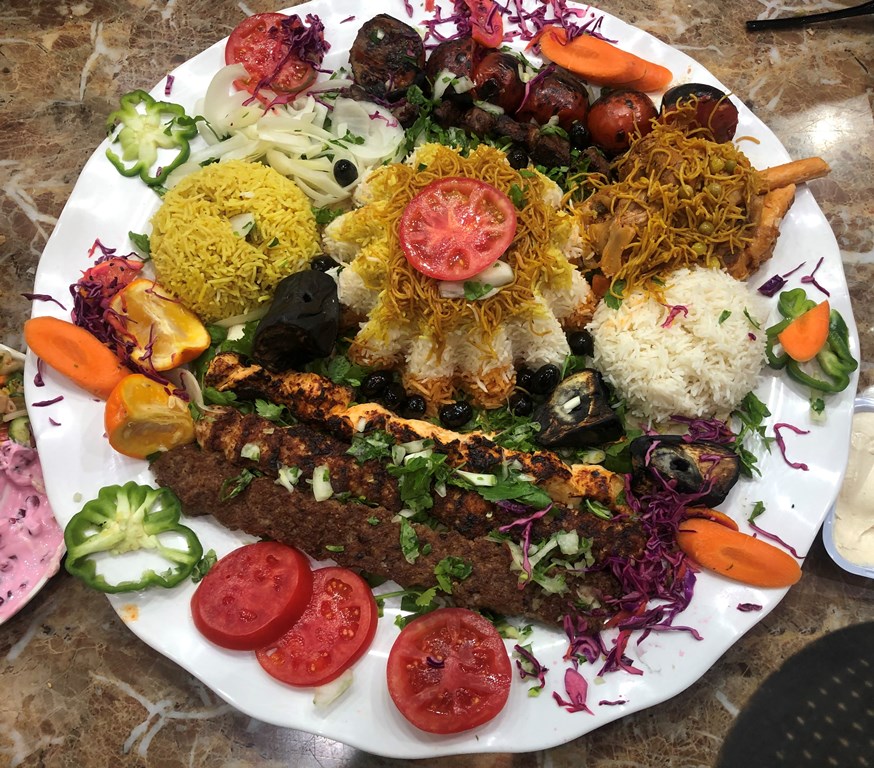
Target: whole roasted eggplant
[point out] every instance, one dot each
(578, 413)
(301, 324)
(694, 467)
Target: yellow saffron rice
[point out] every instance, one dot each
(201, 260)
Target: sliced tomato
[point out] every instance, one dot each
(260, 44)
(449, 671)
(334, 631)
(456, 227)
(252, 595)
(487, 24)
(111, 275)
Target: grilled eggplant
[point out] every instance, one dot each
(693, 467)
(578, 413)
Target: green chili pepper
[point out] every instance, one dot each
(143, 133)
(835, 359)
(129, 518)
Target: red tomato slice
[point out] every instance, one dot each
(112, 275)
(252, 595)
(486, 22)
(259, 44)
(334, 631)
(456, 227)
(449, 671)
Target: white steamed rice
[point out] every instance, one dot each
(697, 366)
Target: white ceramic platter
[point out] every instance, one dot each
(78, 462)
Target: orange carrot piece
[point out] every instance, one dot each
(716, 516)
(600, 285)
(736, 555)
(602, 63)
(806, 335)
(75, 353)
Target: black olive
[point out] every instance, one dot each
(323, 263)
(455, 414)
(546, 379)
(374, 384)
(525, 378)
(581, 343)
(394, 396)
(345, 172)
(517, 157)
(579, 135)
(520, 404)
(416, 406)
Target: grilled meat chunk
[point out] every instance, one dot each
(310, 397)
(226, 431)
(316, 400)
(387, 57)
(365, 538)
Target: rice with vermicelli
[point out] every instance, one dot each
(440, 344)
(702, 364)
(201, 260)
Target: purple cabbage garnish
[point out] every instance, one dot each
(772, 286)
(44, 403)
(607, 703)
(748, 607)
(781, 443)
(526, 523)
(775, 538)
(673, 313)
(577, 689)
(43, 297)
(529, 666)
(168, 85)
(812, 279)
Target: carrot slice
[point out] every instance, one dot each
(736, 555)
(712, 514)
(806, 335)
(602, 63)
(75, 353)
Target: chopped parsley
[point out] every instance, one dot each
(474, 290)
(141, 242)
(726, 313)
(758, 509)
(234, 486)
(373, 445)
(613, 297)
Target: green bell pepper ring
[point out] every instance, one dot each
(129, 518)
(835, 359)
(143, 133)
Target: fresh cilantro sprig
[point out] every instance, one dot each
(751, 414)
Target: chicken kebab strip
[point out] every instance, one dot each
(315, 400)
(359, 526)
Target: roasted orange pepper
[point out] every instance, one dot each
(143, 416)
(164, 332)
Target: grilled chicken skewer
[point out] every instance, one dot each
(227, 431)
(316, 400)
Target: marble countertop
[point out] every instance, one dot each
(80, 689)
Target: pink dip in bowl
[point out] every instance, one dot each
(31, 541)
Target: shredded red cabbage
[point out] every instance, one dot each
(533, 669)
(772, 286)
(348, 18)
(380, 116)
(168, 86)
(607, 703)
(53, 422)
(577, 689)
(748, 607)
(713, 430)
(43, 297)
(37, 377)
(782, 444)
(526, 523)
(794, 269)
(304, 41)
(408, 7)
(775, 538)
(434, 663)
(44, 403)
(673, 313)
(812, 279)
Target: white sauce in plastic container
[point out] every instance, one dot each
(854, 510)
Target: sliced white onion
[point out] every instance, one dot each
(478, 478)
(322, 489)
(327, 694)
(242, 224)
(240, 320)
